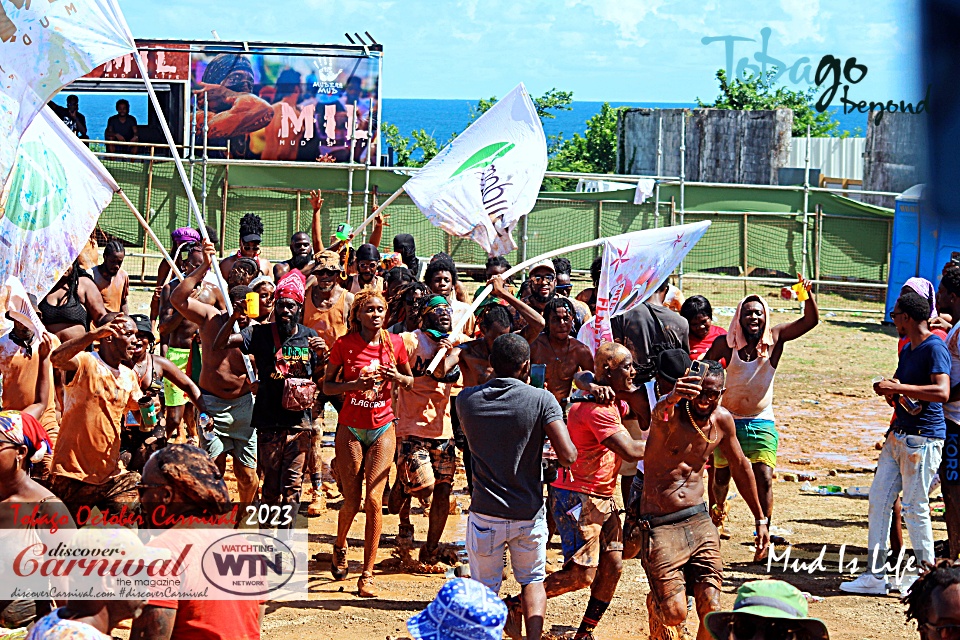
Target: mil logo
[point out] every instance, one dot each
(36, 198)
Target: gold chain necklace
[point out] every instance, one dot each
(697, 427)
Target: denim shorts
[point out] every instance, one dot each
(526, 539)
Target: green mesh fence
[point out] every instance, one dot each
(842, 249)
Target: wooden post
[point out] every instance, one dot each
(598, 227)
(143, 260)
(816, 255)
(223, 207)
(746, 265)
(296, 226)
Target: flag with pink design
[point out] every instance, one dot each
(635, 265)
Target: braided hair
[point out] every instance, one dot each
(944, 573)
(113, 247)
(251, 223)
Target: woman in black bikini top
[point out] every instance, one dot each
(73, 303)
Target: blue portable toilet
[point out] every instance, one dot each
(922, 243)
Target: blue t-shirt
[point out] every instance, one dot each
(917, 366)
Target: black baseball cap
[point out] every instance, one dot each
(143, 324)
(251, 237)
(672, 364)
(368, 252)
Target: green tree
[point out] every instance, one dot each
(760, 93)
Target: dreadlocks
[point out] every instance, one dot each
(359, 300)
(397, 311)
(942, 574)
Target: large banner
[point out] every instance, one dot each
(284, 107)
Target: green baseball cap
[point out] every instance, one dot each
(343, 232)
(770, 599)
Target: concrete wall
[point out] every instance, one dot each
(740, 147)
(894, 155)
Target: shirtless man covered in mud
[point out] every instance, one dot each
(223, 379)
(678, 539)
(494, 321)
(180, 334)
(557, 348)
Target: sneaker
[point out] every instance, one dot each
(867, 584)
(906, 582)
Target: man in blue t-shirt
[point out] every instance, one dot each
(913, 447)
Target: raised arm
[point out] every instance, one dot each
(44, 379)
(719, 350)
(810, 318)
(226, 338)
(169, 318)
(534, 320)
(624, 446)
(192, 309)
(64, 356)
(378, 223)
(316, 233)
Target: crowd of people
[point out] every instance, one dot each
(122, 412)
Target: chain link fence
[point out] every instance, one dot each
(742, 252)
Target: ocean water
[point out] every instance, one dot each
(440, 118)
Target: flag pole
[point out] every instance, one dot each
(396, 194)
(221, 282)
(153, 236)
(506, 274)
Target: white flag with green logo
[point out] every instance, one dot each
(50, 204)
(45, 45)
(482, 183)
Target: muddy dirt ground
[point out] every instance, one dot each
(829, 421)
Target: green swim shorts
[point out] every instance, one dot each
(173, 396)
(758, 439)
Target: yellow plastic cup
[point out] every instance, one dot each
(801, 290)
(253, 304)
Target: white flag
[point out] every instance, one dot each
(482, 183)
(51, 204)
(45, 45)
(635, 265)
(13, 299)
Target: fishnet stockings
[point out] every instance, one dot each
(374, 464)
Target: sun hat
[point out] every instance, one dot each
(464, 609)
(770, 599)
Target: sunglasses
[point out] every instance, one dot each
(749, 627)
(546, 277)
(441, 310)
(894, 314)
(412, 301)
(564, 287)
(327, 273)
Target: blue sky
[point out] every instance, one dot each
(616, 50)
